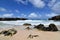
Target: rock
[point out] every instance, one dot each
(32, 36)
(9, 32)
(52, 27)
(28, 28)
(27, 24)
(13, 31)
(40, 27)
(47, 29)
(6, 33)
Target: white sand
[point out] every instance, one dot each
(23, 35)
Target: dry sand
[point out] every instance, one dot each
(24, 35)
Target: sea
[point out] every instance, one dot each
(32, 22)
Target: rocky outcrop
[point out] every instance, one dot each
(56, 18)
(52, 27)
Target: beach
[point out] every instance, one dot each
(29, 19)
(23, 34)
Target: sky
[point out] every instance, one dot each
(30, 9)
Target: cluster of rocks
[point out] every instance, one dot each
(51, 27)
(9, 32)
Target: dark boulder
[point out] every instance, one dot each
(13, 31)
(32, 36)
(9, 32)
(47, 29)
(28, 28)
(6, 33)
(52, 27)
(40, 27)
(27, 24)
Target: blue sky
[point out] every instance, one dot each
(31, 9)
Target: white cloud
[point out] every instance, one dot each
(56, 7)
(3, 9)
(17, 11)
(7, 15)
(51, 3)
(51, 14)
(22, 15)
(37, 3)
(34, 15)
(21, 1)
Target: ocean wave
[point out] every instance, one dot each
(33, 22)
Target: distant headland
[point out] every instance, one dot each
(12, 19)
(55, 18)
